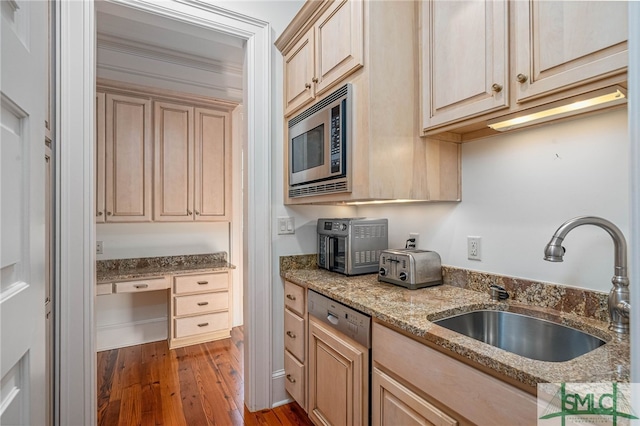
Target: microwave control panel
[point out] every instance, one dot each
(336, 137)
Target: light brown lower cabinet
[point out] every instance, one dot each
(416, 384)
(295, 342)
(395, 404)
(338, 378)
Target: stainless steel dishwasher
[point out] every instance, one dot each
(339, 363)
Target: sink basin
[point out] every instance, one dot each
(523, 335)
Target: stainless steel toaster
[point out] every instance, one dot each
(410, 268)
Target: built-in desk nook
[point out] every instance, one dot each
(183, 299)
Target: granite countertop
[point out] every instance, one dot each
(413, 310)
(148, 267)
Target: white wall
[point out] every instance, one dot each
(126, 240)
(517, 189)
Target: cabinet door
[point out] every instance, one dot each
(338, 378)
(564, 43)
(339, 43)
(174, 168)
(299, 73)
(395, 404)
(212, 165)
(100, 158)
(128, 158)
(464, 59)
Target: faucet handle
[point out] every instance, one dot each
(498, 293)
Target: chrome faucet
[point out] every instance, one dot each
(619, 307)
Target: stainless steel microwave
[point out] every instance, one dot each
(319, 146)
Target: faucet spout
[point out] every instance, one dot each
(619, 307)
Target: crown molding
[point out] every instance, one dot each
(149, 51)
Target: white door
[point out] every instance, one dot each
(22, 151)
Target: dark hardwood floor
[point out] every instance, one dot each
(192, 386)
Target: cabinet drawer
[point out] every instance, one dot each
(104, 288)
(200, 303)
(294, 297)
(199, 283)
(294, 378)
(142, 285)
(294, 334)
(201, 324)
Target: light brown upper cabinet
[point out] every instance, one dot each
(192, 162)
(161, 156)
(174, 172)
(465, 59)
(560, 44)
(373, 46)
(329, 50)
(99, 160)
(212, 199)
(128, 158)
(484, 59)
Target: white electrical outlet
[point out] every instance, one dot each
(98, 247)
(413, 244)
(474, 251)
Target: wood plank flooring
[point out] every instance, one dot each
(191, 386)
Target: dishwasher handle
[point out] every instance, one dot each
(332, 318)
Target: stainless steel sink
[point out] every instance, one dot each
(523, 335)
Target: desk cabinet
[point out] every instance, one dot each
(199, 309)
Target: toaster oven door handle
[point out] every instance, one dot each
(330, 252)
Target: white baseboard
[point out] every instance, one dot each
(279, 395)
(132, 333)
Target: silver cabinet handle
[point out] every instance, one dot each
(291, 297)
(290, 334)
(307, 86)
(109, 213)
(314, 79)
(496, 88)
(100, 213)
(203, 282)
(291, 379)
(521, 78)
(189, 212)
(203, 324)
(141, 285)
(197, 213)
(203, 303)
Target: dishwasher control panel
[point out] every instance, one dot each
(348, 321)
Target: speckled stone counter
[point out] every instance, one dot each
(413, 311)
(148, 267)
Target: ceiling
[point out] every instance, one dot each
(123, 31)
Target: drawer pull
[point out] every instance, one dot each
(290, 334)
(203, 282)
(291, 297)
(203, 303)
(203, 324)
(291, 379)
(141, 285)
